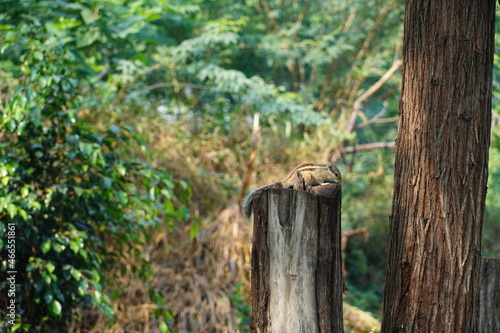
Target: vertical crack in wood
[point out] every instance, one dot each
(297, 280)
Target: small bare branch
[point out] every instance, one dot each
(269, 15)
(367, 94)
(256, 141)
(368, 146)
(377, 119)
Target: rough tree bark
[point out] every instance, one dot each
(297, 280)
(489, 310)
(434, 263)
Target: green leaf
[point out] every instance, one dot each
(87, 16)
(55, 308)
(193, 229)
(25, 68)
(74, 246)
(12, 210)
(48, 297)
(122, 197)
(77, 275)
(108, 311)
(164, 327)
(23, 214)
(107, 182)
(83, 286)
(78, 191)
(34, 204)
(46, 278)
(24, 191)
(121, 170)
(184, 213)
(167, 194)
(50, 267)
(83, 253)
(57, 247)
(97, 297)
(169, 208)
(46, 246)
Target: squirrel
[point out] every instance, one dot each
(306, 174)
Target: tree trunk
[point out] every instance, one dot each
(489, 310)
(297, 280)
(432, 282)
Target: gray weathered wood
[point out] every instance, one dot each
(489, 305)
(297, 278)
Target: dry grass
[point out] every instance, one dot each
(358, 321)
(197, 278)
(198, 291)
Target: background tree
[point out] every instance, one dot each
(441, 168)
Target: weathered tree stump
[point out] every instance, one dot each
(297, 280)
(489, 304)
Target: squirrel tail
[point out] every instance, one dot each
(247, 206)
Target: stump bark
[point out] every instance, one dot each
(297, 280)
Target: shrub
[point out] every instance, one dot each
(70, 201)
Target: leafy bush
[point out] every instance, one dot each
(70, 202)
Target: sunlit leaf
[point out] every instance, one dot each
(46, 246)
(55, 308)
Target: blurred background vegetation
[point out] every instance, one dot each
(128, 128)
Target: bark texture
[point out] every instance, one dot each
(297, 280)
(432, 282)
(489, 310)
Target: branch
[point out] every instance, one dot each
(351, 233)
(367, 94)
(256, 141)
(368, 146)
(177, 84)
(267, 9)
(378, 121)
(300, 18)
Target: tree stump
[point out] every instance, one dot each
(297, 280)
(489, 304)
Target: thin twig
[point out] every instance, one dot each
(368, 146)
(368, 93)
(256, 140)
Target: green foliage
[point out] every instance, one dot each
(75, 202)
(365, 264)
(491, 226)
(298, 65)
(243, 311)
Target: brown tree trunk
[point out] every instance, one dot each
(432, 282)
(297, 280)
